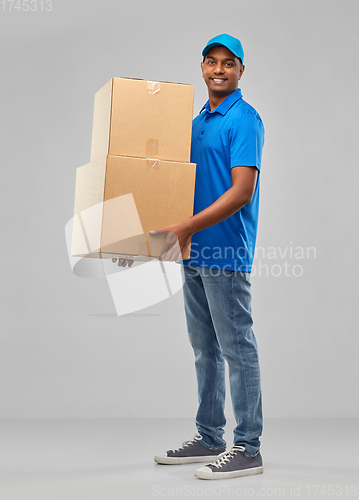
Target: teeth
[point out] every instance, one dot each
(218, 79)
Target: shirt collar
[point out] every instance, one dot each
(226, 104)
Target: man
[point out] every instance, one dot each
(227, 142)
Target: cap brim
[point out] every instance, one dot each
(211, 45)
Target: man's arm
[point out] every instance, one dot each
(244, 181)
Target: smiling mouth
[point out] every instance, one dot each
(218, 80)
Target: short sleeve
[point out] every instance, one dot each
(246, 139)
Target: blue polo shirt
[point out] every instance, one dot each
(231, 135)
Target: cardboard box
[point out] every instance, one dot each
(143, 119)
(119, 199)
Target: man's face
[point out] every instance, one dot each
(221, 71)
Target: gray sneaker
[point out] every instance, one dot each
(191, 451)
(232, 463)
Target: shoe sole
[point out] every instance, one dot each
(185, 460)
(226, 475)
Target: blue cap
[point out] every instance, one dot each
(232, 44)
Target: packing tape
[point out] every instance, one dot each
(153, 87)
(152, 148)
(152, 154)
(152, 164)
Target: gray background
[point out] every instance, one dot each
(64, 351)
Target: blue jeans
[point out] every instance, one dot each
(219, 323)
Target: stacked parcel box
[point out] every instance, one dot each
(139, 177)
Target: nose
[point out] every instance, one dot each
(218, 69)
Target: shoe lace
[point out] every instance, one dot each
(196, 438)
(226, 456)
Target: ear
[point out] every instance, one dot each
(202, 64)
(241, 71)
